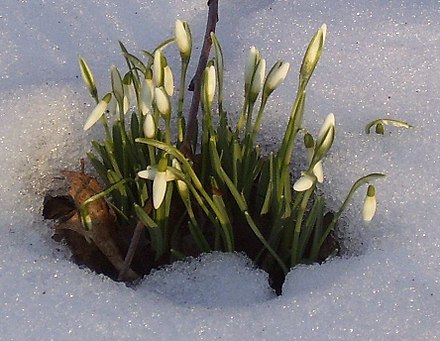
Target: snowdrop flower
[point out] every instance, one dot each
(147, 94)
(183, 39)
(160, 176)
(370, 204)
(98, 111)
(257, 80)
(304, 183)
(313, 53)
(209, 84)
(149, 126)
(276, 76)
(168, 80)
(326, 136)
(251, 63)
(162, 101)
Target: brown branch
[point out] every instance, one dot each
(196, 82)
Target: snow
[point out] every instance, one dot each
(381, 60)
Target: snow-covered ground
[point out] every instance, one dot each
(381, 60)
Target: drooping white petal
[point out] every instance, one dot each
(159, 188)
(370, 204)
(97, 112)
(149, 126)
(162, 101)
(319, 172)
(168, 80)
(304, 183)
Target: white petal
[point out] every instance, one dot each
(149, 126)
(328, 122)
(182, 38)
(148, 173)
(251, 62)
(318, 172)
(303, 183)
(162, 101)
(210, 83)
(369, 209)
(277, 75)
(168, 80)
(258, 80)
(96, 114)
(159, 188)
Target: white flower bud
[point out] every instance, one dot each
(251, 63)
(276, 76)
(162, 102)
(87, 76)
(326, 136)
(183, 38)
(168, 80)
(149, 126)
(257, 79)
(369, 209)
(313, 53)
(209, 83)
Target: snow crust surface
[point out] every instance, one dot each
(381, 60)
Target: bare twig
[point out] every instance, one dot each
(195, 85)
(131, 251)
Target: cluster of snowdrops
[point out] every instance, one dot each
(224, 194)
